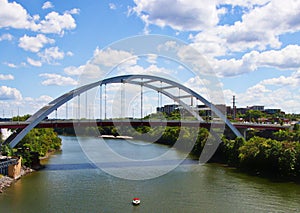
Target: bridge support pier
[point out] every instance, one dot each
(244, 133)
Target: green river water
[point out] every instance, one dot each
(70, 183)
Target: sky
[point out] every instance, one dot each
(251, 47)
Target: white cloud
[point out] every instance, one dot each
(50, 55)
(89, 71)
(180, 15)
(151, 58)
(56, 23)
(34, 62)
(69, 53)
(8, 93)
(286, 58)
(30, 105)
(293, 80)
(34, 44)
(281, 92)
(260, 27)
(55, 79)
(243, 3)
(74, 70)
(112, 6)
(110, 57)
(44, 99)
(47, 5)
(150, 70)
(6, 36)
(6, 77)
(14, 15)
(11, 65)
(73, 11)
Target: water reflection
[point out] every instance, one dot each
(70, 183)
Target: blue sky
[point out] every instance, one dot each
(252, 46)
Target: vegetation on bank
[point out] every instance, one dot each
(269, 153)
(37, 143)
(277, 156)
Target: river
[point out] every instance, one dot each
(70, 183)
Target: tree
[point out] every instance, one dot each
(200, 142)
(232, 150)
(253, 115)
(282, 135)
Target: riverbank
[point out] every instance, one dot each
(6, 181)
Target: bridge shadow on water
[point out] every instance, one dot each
(119, 165)
(73, 166)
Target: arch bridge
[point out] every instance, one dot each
(148, 81)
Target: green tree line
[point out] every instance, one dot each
(267, 156)
(38, 142)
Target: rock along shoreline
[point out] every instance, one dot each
(6, 181)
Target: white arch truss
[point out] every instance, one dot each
(143, 80)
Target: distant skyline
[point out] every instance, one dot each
(252, 46)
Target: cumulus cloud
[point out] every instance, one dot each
(6, 77)
(44, 99)
(180, 15)
(47, 5)
(243, 3)
(58, 80)
(73, 11)
(34, 44)
(87, 70)
(112, 6)
(6, 36)
(293, 80)
(34, 63)
(111, 57)
(281, 92)
(286, 58)
(51, 55)
(14, 15)
(8, 93)
(56, 23)
(11, 65)
(259, 28)
(151, 58)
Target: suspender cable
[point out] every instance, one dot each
(105, 102)
(86, 105)
(158, 101)
(160, 94)
(78, 107)
(123, 100)
(66, 110)
(142, 101)
(100, 104)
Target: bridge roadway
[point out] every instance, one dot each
(85, 123)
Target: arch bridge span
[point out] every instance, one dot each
(142, 80)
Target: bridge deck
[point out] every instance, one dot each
(83, 123)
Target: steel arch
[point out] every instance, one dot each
(146, 81)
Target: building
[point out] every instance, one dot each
(242, 110)
(168, 109)
(257, 107)
(272, 111)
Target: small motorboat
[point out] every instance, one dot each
(136, 201)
